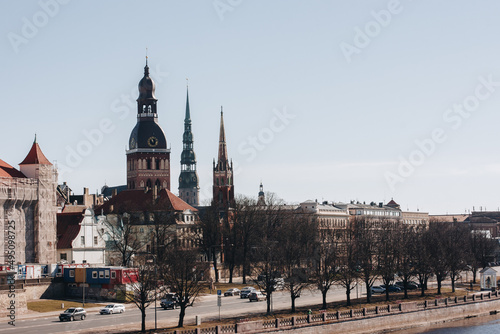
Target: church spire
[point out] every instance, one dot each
(223, 189)
(188, 179)
(222, 156)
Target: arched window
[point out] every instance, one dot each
(158, 184)
(148, 163)
(157, 161)
(148, 183)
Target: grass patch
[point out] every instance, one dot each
(50, 305)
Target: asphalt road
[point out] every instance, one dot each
(206, 308)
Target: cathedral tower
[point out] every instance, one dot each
(148, 158)
(223, 187)
(188, 179)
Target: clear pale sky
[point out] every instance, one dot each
(326, 100)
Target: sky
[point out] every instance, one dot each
(327, 100)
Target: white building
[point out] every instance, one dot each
(79, 240)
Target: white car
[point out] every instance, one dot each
(113, 308)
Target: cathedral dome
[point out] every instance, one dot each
(147, 134)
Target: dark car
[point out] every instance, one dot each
(232, 292)
(409, 286)
(170, 301)
(246, 291)
(73, 313)
(391, 288)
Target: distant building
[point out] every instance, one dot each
(486, 221)
(329, 216)
(28, 208)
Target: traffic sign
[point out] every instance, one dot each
(219, 301)
(219, 292)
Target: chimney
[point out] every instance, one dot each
(85, 191)
(114, 192)
(380, 204)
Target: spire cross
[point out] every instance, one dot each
(146, 56)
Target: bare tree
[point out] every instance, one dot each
(143, 290)
(408, 249)
(365, 233)
(211, 241)
(326, 262)
(437, 250)
(422, 265)
(245, 235)
(297, 238)
(181, 272)
(388, 252)
(482, 251)
(267, 256)
(121, 236)
(347, 273)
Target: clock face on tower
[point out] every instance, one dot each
(152, 141)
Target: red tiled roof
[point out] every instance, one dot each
(68, 227)
(35, 156)
(7, 170)
(138, 200)
(391, 203)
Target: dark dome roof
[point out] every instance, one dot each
(146, 86)
(188, 156)
(147, 134)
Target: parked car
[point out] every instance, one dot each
(391, 288)
(256, 296)
(246, 291)
(169, 301)
(232, 292)
(113, 308)
(410, 285)
(73, 313)
(377, 289)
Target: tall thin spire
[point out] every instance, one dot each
(188, 178)
(188, 112)
(222, 157)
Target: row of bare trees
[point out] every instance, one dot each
(275, 240)
(274, 243)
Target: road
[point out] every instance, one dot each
(206, 308)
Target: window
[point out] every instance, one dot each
(106, 273)
(63, 256)
(113, 274)
(72, 273)
(83, 240)
(94, 274)
(101, 274)
(95, 240)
